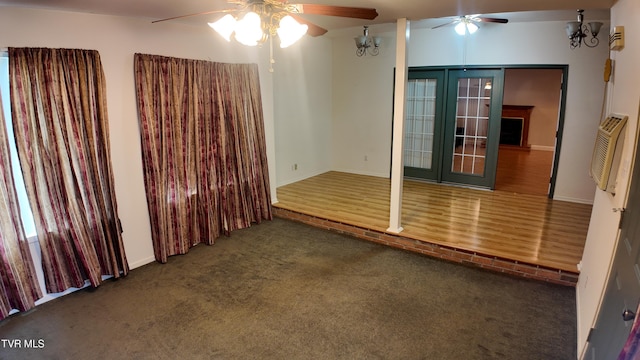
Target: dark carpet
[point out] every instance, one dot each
(284, 290)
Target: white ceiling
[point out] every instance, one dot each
(388, 10)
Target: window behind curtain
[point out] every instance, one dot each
(25, 209)
(203, 150)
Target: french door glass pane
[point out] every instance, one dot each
(472, 125)
(420, 123)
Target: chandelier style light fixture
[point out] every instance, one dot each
(367, 44)
(578, 32)
(259, 22)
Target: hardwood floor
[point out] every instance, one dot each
(523, 228)
(524, 172)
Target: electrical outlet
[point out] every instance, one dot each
(295, 167)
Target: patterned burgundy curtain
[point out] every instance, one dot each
(59, 111)
(19, 286)
(203, 150)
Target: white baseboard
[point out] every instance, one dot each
(300, 178)
(580, 347)
(142, 262)
(350, 171)
(573, 200)
(48, 296)
(364, 172)
(543, 148)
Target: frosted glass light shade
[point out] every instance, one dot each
(225, 26)
(460, 28)
(290, 31)
(249, 30)
(595, 28)
(572, 28)
(471, 27)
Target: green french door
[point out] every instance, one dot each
(452, 126)
(423, 124)
(472, 127)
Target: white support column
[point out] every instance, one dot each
(397, 167)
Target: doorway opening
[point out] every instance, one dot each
(530, 118)
(511, 141)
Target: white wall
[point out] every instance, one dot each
(363, 91)
(303, 109)
(117, 39)
(362, 106)
(624, 98)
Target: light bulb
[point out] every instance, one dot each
(471, 27)
(224, 26)
(248, 30)
(290, 31)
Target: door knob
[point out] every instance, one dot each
(628, 315)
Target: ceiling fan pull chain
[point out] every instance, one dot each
(271, 61)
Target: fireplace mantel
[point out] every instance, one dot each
(520, 112)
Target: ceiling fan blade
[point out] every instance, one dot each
(314, 30)
(446, 24)
(196, 14)
(492, 20)
(342, 11)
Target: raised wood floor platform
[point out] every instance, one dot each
(524, 235)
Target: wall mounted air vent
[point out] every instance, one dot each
(607, 151)
(616, 39)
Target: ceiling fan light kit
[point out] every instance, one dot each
(468, 24)
(578, 32)
(466, 27)
(256, 21)
(256, 26)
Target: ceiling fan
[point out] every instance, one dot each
(271, 14)
(469, 23)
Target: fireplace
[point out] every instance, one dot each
(514, 127)
(511, 131)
